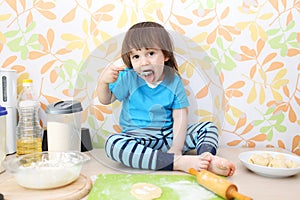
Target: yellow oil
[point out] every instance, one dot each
(28, 145)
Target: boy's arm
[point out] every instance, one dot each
(179, 130)
(109, 75)
(105, 96)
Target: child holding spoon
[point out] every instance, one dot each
(155, 131)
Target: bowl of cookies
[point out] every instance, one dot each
(270, 163)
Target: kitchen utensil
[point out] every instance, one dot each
(8, 99)
(3, 113)
(270, 171)
(46, 170)
(76, 190)
(218, 185)
(174, 187)
(64, 126)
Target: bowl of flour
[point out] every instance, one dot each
(46, 170)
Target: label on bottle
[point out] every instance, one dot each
(28, 103)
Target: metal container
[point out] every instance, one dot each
(64, 126)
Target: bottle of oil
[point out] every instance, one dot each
(29, 130)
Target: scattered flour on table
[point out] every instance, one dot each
(190, 191)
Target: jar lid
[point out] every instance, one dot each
(3, 111)
(64, 107)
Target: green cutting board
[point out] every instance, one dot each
(174, 187)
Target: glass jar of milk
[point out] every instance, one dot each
(64, 126)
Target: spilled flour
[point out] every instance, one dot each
(190, 191)
(173, 187)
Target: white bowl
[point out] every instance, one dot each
(46, 170)
(270, 171)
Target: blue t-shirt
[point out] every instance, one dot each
(146, 107)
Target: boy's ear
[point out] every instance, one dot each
(166, 58)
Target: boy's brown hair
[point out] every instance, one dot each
(148, 35)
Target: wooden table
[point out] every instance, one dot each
(248, 183)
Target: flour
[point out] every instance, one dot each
(190, 191)
(47, 174)
(63, 136)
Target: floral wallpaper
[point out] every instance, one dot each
(239, 61)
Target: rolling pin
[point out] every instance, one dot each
(218, 185)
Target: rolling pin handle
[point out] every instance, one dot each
(193, 171)
(234, 194)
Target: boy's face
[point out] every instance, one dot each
(148, 63)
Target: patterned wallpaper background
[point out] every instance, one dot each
(239, 61)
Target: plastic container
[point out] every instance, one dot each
(29, 130)
(64, 126)
(3, 113)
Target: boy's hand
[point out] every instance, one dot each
(110, 74)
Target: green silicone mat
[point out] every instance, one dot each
(174, 187)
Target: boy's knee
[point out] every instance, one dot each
(110, 141)
(211, 125)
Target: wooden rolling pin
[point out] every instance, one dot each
(218, 185)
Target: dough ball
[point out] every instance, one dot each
(280, 157)
(277, 163)
(267, 156)
(145, 191)
(291, 164)
(259, 160)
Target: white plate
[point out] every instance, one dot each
(270, 171)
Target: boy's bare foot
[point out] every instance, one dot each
(221, 166)
(198, 162)
(207, 161)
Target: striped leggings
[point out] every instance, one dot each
(147, 148)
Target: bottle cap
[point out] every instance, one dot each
(3, 111)
(27, 81)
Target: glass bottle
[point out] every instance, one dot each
(29, 130)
